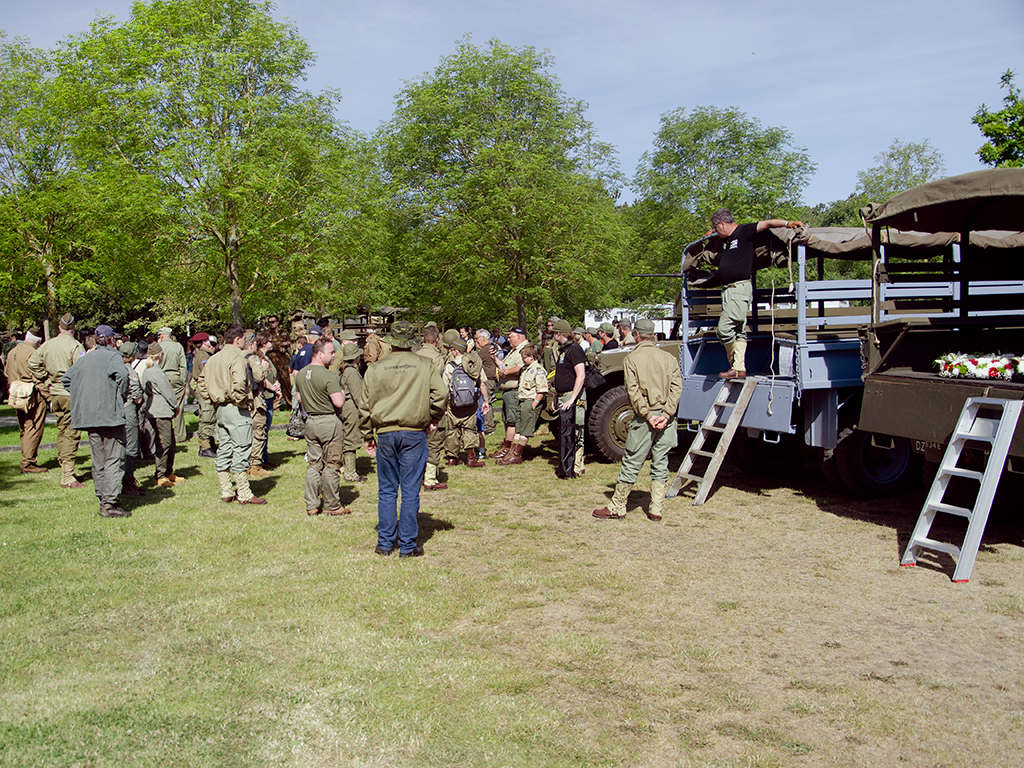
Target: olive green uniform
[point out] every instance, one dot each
(32, 420)
(460, 423)
(257, 407)
(224, 383)
(207, 416)
(176, 367)
(48, 364)
(325, 437)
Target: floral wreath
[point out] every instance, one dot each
(957, 365)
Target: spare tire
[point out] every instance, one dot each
(608, 424)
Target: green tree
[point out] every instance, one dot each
(506, 196)
(191, 110)
(1004, 129)
(708, 159)
(45, 264)
(903, 165)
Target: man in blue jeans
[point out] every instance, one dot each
(403, 399)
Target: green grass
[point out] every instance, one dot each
(197, 633)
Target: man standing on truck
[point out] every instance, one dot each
(734, 276)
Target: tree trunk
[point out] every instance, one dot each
(231, 249)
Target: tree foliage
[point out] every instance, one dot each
(191, 111)
(903, 165)
(707, 159)
(505, 194)
(1004, 128)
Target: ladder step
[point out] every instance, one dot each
(970, 474)
(949, 509)
(694, 478)
(705, 454)
(970, 436)
(938, 546)
(711, 428)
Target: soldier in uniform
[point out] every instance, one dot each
(435, 439)
(352, 385)
(207, 418)
(226, 385)
(161, 408)
(48, 365)
(654, 385)
(460, 421)
(403, 398)
(176, 367)
(262, 379)
(323, 399)
(132, 401)
(374, 348)
(31, 419)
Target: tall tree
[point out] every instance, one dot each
(903, 165)
(1004, 129)
(507, 195)
(192, 109)
(708, 159)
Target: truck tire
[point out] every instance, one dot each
(870, 471)
(758, 458)
(608, 424)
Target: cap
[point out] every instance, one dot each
(562, 326)
(554, 319)
(165, 331)
(104, 331)
(517, 329)
(67, 322)
(348, 335)
(644, 325)
(592, 331)
(350, 352)
(314, 331)
(401, 335)
(201, 337)
(579, 330)
(607, 327)
(128, 349)
(458, 343)
(154, 349)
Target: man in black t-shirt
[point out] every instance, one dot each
(570, 375)
(736, 266)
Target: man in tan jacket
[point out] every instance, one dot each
(32, 419)
(48, 365)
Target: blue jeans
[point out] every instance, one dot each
(401, 459)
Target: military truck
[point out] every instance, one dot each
(806, 341)
(968, 299)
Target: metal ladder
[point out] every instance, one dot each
(686, 473)
(971, 426)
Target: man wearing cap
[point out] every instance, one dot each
(226, 385)
(48, 365)
(508, 381)
(606, 334)
(435, 440)
(32, 417)
(654, 385)
(594, 347)
(403, 398)
(203, 351)
(97, 386)
(570, 375)
(176, 367)
(323, 399)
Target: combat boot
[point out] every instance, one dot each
(616, 508)
(657, 508)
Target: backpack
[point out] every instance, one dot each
(463, 392)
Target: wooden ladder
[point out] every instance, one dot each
(687, 473)
(974, 425)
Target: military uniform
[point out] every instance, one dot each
(226, 385)
(131, 422)
(352, 385)
(161, 405)
(436, 439)
(460, 423)
(654, 384)
(32, 420)
(207, 416)
(324, 439)
(258, 408)
(48, 364)
(175, 366)
(375, 348)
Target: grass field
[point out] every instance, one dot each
(771, 627)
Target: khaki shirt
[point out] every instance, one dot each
(17, 363)
(352, 383)
(375, 349)
(653, 380)
(258, 375)
(223, 381)
(173, 362)
(51, 361)
(512, 359)
(533, 381)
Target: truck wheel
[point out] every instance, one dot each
(753, 456)
(608, 424)
(868, 470)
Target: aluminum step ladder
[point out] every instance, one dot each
(972, 426)
(710, 426)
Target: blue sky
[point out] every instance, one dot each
(844, 78)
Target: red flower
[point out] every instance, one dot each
(993, 373)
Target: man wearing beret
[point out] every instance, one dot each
(175, 366)
(654, 385)
(47, 366)
(97, 386)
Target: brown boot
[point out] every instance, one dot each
(515, 456)
(472, 461)
(506, 446)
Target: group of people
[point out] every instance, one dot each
(420, 398)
